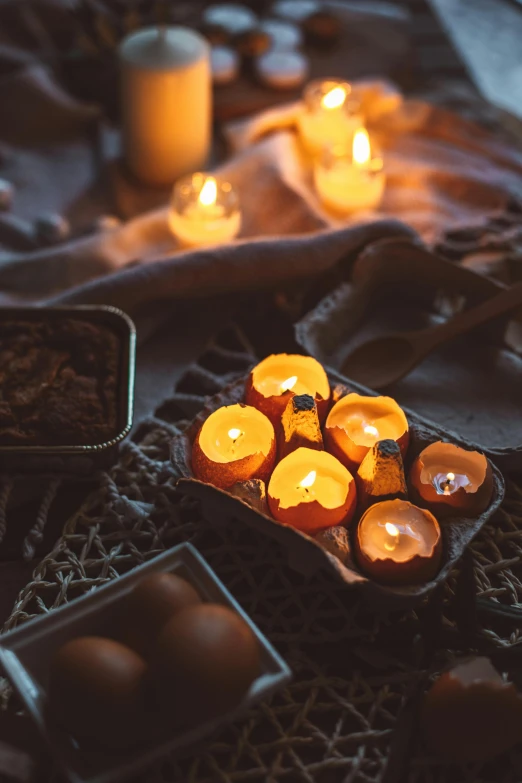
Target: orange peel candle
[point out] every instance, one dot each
(278, 378)
(310, 490)
(450, 480)
(356, 423)
(471, 714)
(236, 443)
(398, 543)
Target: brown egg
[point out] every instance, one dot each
(470, 714)
(96, 690)
(153, 601)
(205, 660)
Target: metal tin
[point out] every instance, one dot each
(26, 653)
(78, 460)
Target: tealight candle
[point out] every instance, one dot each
(398, 543)
(356, 423)
(350, 180)
(310, 490)
(330, 115)
(204, 211)
(450, 480)
(236, 443)
(275, 380)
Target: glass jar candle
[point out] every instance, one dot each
(204, 211)
(350, 178)
(330, 115)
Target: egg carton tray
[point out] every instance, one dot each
(305, 554)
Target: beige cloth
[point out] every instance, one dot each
(442, 171)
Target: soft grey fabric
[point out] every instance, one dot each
(442, 170)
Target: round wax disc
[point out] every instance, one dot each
(282, 70)
(233, 17)
(225, 65)
(296, 10)
(284, 35)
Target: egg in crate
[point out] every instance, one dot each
(150, 605)
(96, 691)
(205, 660)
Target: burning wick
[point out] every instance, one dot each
(394, 533)
(447, 485)
(234, 434)
(362, 152)
(208, 193)
(289, 384)
(371, 430)
(334, 99)
(308, 480)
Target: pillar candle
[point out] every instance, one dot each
(166, 103)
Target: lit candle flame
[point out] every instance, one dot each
(208, 193)
(289, 384)
(393, 532)
(450, 478)
(371, 430)
(334, 99)
(309, 480)
(234, 434)
(361, 150)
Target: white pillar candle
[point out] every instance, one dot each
(166, 103)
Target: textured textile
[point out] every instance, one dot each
(442, 171)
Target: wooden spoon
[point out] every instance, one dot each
(383, 361)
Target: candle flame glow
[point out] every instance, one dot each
(361, 149)
(234, 433)
(334, 99)
(208, 193)
(289, 384)
(309, 480)
(450, 476)
(371, 430)
(393, 532)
